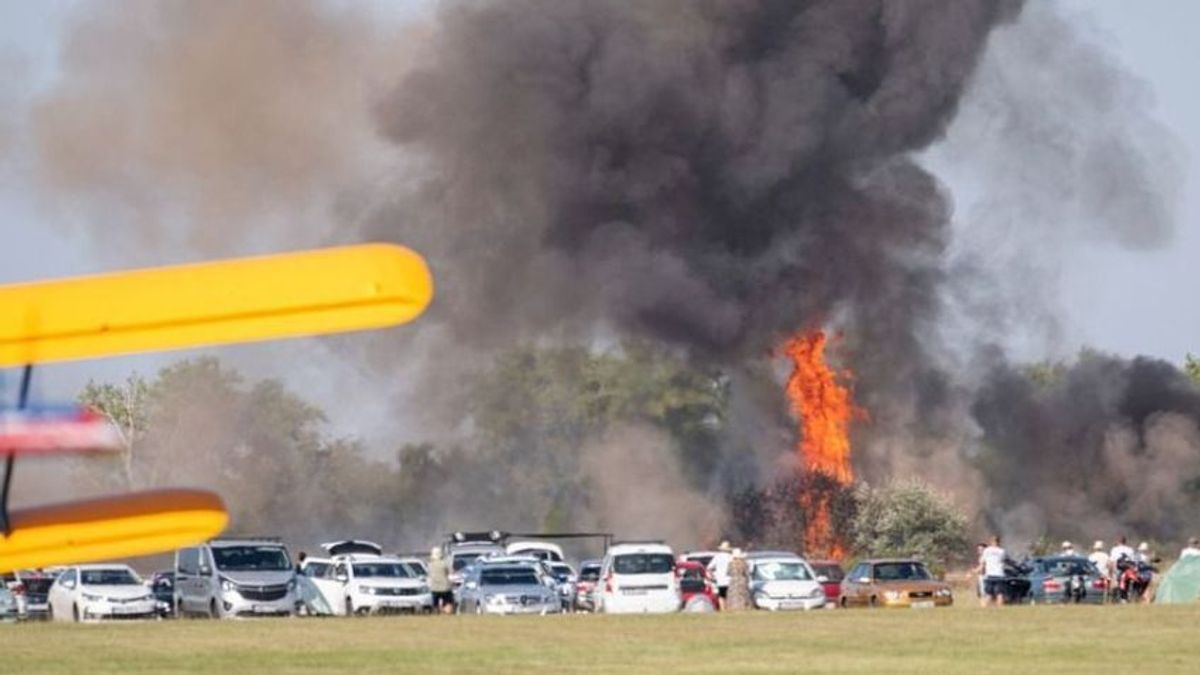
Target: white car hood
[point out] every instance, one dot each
(122, 592)
(791, 587)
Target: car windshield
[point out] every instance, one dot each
(251, 558)
(643, 563)
(830, 572)
(109, 577)
(380, 569)
(1062, 567)
(901, 571)
(510, 576)
(589, 573)
(561, 571)
(316, 569)
(414, 569)
(461, 560)
(781, 570)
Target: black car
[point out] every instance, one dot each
(1016, 582)
(162, 585)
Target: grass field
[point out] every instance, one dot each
(962, 639)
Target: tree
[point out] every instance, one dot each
(127, 408)
(1191, 366)
(909, 518)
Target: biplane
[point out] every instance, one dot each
(314, 292)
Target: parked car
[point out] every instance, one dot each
(464, 548)
(781, 580)
(9, 611)
(364, 583)
(585, 587)
(235, 577)
(1016, 583)
(638, 577)
(95, 592)
(539, 549)
(697, 593)
(162, 585)
(829, 575)
(1050, 580)
(894, 583)
(415, 563)
(507, 588)
(31, 589)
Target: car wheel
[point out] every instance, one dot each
(49, 612)
(349, 607)
(874, 601)
(75, 613)
(212, 609)
(478, 609)
(843, 603)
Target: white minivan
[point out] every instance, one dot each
(638, 577)
(235, 577)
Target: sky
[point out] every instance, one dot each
(1111, 299)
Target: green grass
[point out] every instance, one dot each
(964, 639)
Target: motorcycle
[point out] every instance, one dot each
(1133, 578)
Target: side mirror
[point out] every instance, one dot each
(342, 578)
(822, 579)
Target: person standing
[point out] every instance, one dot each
(439, 583)
(1101, 560)
(1192, 549)
(718, 569)
(738, 594)
(991, 566)
(1068, 549)
(979, 548)
(1122, 551)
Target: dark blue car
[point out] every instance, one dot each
(1062, 579)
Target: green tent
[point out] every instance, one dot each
(1181, 583)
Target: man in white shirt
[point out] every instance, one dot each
(1192, 549)
(1067, 548)
(991, 566)
(718, 568)
(1122, 550)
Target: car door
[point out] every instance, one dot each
(62, 594)
(332, 584)
(862, 580)
(185, 579)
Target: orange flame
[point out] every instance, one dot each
(824, 407)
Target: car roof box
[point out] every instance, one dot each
(352, 546)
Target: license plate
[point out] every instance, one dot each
(263, 609)
(634, 591)
(124, 610)
(923, 604)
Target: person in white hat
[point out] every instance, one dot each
(439, 582)
(1192, 549)
(718, 569)
(1068, 548)
(1144, 554)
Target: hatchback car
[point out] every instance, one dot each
(638, 577)
(829, 575)
(589, 574)
(781, 580)
(31, 589)
(894, 583)
(697, 593)
(94, 592)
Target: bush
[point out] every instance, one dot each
(909, 519)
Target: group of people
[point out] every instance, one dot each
(1111, 565)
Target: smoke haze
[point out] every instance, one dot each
(712, 176)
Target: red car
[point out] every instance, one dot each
(697, 592)
(829, 575)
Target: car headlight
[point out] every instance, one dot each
(892, 595)
(494, 599)
(943, 592)
(147, 597)
(228, 586)
(817, 592)
(92, 598)
(367, 590)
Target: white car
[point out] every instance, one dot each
(638, 577)
(780, 580)
(364, 583)
(94, 592)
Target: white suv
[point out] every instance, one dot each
(364, 583)
(638, 577)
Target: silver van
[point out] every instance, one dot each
(235, 577)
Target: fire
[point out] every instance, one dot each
(822, 403)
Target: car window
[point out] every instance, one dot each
(339, 570)
(511, 576)
(901, 571)
(830, 572)
(860, 570)
(643, 563)
(381, 569)
(1069, 566)
(589, 573)
(251, 558)
(67, 577)
(316, 570)
(781, 570)
(189, 560)
(461, 560)
(109, 577)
